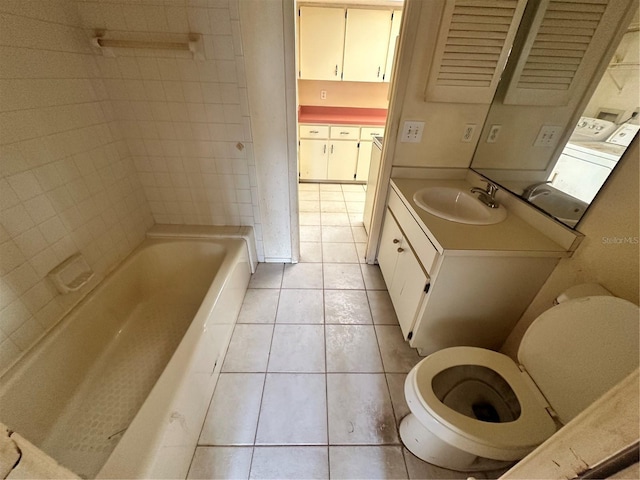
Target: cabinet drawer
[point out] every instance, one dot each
(367, 133)
(344, 133)
(426, 252)
(314, 131)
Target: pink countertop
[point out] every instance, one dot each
(342, 115)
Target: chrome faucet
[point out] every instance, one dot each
(531, 190)
(488, 195)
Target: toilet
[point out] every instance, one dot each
(474, 409)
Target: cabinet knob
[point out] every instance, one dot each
(395, 240)
(400, 249)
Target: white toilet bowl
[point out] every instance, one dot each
(473, 409)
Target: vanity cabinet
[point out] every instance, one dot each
(453, 284)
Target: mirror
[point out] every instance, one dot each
(549, 138)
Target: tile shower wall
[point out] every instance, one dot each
(186, 121)
(67, 181)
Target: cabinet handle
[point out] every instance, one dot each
(324, 149)
(395, 240)
(336, 72)
(378, 72)
(344, 133)
(331, 148)
(400, 249)
(314, 131)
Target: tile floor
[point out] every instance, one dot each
(312, 383)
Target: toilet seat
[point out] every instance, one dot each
(500, 441)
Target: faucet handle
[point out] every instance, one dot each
(491, 189)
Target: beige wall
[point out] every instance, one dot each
(343, 94)
(609, 252)
(67, 181)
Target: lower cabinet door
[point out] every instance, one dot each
(364, 159)
(343, 157)
(314, 157)
(407, 288)
(390, 241)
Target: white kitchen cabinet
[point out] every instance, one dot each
(314, 158)
(402, 272)
(364, 160)
(453, 284)
(366, 45)
(393, 40)
(343, 157)
(321, 42)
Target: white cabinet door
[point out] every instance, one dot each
(321, 43)
(366, 44)
(343, 157)
(393, 40)
(407, 288)
(313, 159)
(364, 160)
(390, 240)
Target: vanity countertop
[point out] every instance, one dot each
(509, 236)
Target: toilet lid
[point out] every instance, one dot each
(504, 441)
(579, 349)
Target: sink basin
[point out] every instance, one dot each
(457, 205)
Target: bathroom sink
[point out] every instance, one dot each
(457, 205)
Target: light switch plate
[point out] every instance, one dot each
(548, 136)
(412, 132)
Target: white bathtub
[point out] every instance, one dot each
(120, 388)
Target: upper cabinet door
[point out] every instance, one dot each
(473, 44)
(366, 45)
(321, 43)
(393, 43)
(564, 48)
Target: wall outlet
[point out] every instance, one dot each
(412, 132)
(323, 94)
(548, 136)
(494, 131)
(467, 135)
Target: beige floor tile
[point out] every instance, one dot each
(354, 196)
(300, 306)
(309, 218)
(425, 471)
(293, 410)
(382, 309)
(332, 233)
(249, 348)
(333, 207)
(360, 409)
(342, 276)
(331, 197)
(356, 219)
(310, 233)
(396, 389)
(232, 418)
(364, 462)
(330, 187)
(373, 279)
(352, 348)
(355, 207)
(329, 218)
(302, 275)
(309, 195)
(221, 462)
(346, 187)
(268, 275)
(361, 249)
(359, 234)
(308, 187)
(310, 252)
(309, 205)
(297, 349)
(290, 463)
(346, 307)
(397, 355)
(259, 306)
(339, 252)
